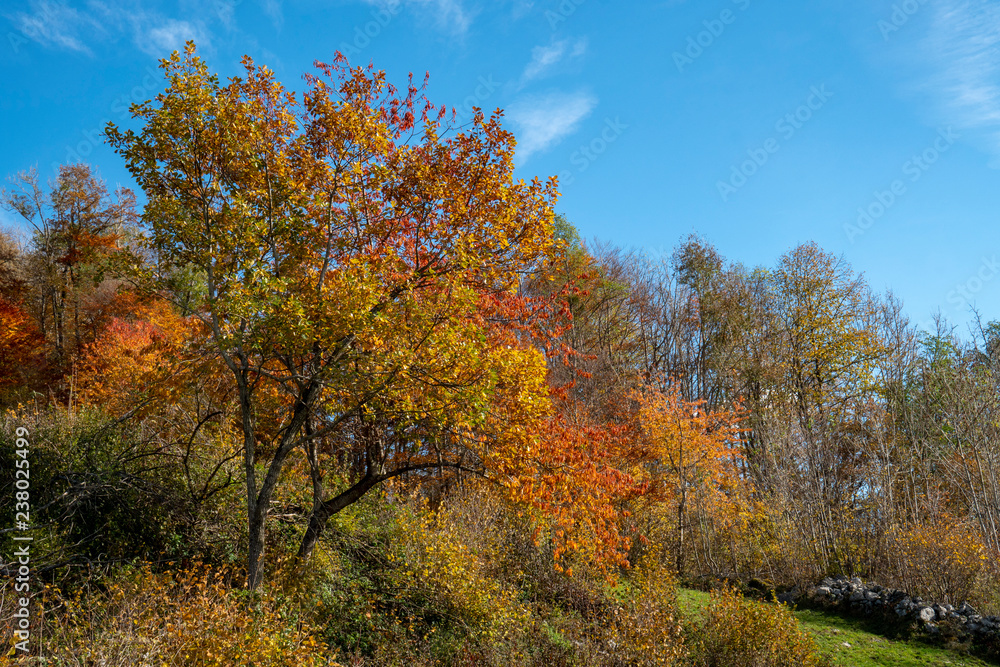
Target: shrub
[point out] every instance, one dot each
(941, 559)
(735, 632)
(105, 491)
(645, 629)
(192, 617)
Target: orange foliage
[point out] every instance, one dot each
(132, 359)
(575, 476)
(686, 445)
(21, 346)
(690, 457)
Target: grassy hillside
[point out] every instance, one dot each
(848, 643)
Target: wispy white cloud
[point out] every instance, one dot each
(55, 25)
(151, 32)
(58, 26)
(273, 10)
(964, 46)
(160, 37)
(545, 120)
(544, 58)
(449, 14)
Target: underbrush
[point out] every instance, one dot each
(121, 516)
(395, 583)
(193, 617)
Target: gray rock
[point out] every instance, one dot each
(926, 614)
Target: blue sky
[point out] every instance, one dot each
(871, 127)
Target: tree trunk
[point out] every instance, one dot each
(322, 512)
(680, 533)
(255, 550)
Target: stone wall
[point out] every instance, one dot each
(857, 596)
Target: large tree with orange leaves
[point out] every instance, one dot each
(358, 255)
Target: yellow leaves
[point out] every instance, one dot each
(190, 617)
(645, 628)
(941, 557)
(827, 314)
(439, 556)
(734, 630)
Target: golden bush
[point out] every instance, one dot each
(646, 629)
(941, 559)
(736, 632)
(440, 558)
(191, 618)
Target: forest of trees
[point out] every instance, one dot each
(337, 358)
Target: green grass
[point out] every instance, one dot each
(849, 644)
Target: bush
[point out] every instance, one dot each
(735, 632)
(192, 617)
(646, 629)
(104, 491)
(940, 559)
(396, 581)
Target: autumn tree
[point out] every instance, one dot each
(358, 256)
(12, 283)
(691, 455)
(77, 249)
(21, 350)
(949, 432)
